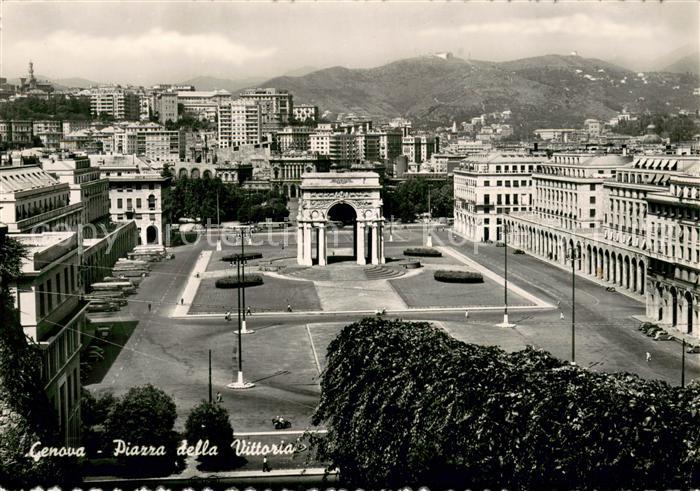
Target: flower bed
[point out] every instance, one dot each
(248, 256)
(232, 281)
(458, 276)
(422, 252)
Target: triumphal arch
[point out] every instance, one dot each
(332, 202)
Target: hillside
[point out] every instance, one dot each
(689, 63)
(212, 83)
(542, 91)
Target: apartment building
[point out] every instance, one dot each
(86, 185)
(239, 123)
(50, 132)
(304, 113)
(115, 102)
(165, 106)
(31, 200)
(418, 148)
(339, 148)
(277, 106)
(136, 192)
(368, 146)
(204, 105)
(16, 132)
(294, 138)
(489, 186)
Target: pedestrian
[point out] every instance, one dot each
(219, 398)
(182, 301)
(248, 311)
(266, 466)
(289, 307)
(648, 357)
(466, 314)
(561, 315)
(228, 316)
(149, 306)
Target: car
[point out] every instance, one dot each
(518, 251)
(280, 423)
(662, 336)
(693, 349)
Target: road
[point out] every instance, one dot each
(172, 353)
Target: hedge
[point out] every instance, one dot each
(247, 256)
(405, 403)
(422, 252)
(232, 281)
(458, 276)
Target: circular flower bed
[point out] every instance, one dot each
(248, 256)
(422, 252)
(232, 281)
(458, 276)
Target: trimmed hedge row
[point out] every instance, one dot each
(458, 276)
(247, 256)
(232, 281)
(422, 252)
(407, 404)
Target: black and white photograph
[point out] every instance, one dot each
(349, 245)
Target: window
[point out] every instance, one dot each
(592, 187)
(66, 280)
(129, 204)
(138, 203)
(591, 212)
(592, 200)
(507, 199)
(487, 184)
(499, 199)
(49, 294)
(507, 184)
(499, 183)
(151, 202)
(487, 199)
(120, 203)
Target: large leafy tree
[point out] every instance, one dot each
(210, 422)
(405, 403)
(26, 417)
(416, 196)
(145, 416)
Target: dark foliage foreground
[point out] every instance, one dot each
(422, 252)
(233, 282)
(458, 276)
(404, 403)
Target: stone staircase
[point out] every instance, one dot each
(381, 272)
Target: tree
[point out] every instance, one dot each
(406, 404)
(145, 416)
(210, 421)
(26, 416)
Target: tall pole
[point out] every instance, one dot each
(573, 306)
(218, 220)
(242, 283)
(683, 363)
(210, 395)
(239, 383)
(505, 322)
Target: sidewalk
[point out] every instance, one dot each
(539, 303)
(190, 289)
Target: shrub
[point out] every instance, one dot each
(407, 404)
(422, 252)
(232, 281)
(145, 416)
(248, 256)
(518, 251)
(210, 421)
(458, 276)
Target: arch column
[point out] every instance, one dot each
(300, 243)
(306, 259)
(374, 244)
(360, 244)
(321, 244)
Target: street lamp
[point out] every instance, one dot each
(573, 255)
(505, 322)
(242, 285)
(240, 261)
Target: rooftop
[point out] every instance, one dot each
(22, 178)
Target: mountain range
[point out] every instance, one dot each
(549, 90)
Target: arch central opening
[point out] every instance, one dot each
(342, 222)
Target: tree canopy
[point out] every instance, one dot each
(677, 128)
(410, 198)
(61, 108)
(196, 198)
(406, 404)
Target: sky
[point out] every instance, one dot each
(157, 41)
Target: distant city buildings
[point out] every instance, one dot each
(115, 102)
(240, 122)
(276, 106)
(305, 113)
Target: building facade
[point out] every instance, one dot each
(240, 123)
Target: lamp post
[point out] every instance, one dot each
(239, 383)
(573, 255)
(242, 285)
(505, 322)
(683, 363)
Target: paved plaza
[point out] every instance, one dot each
(285, 354)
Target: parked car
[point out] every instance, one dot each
(280, 423)
(693, 349)
(662, 336)
(518, 251)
